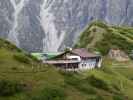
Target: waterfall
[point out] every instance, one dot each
(52, 25)
(52, 39)
(17, 9)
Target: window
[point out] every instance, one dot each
(84, 64)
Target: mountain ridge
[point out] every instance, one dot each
(102, 37)
(51, 25)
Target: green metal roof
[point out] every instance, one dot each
(47, 55)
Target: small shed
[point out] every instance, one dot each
(118, 55)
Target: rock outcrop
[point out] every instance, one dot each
(49, 25)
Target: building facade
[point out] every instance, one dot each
(77, 59)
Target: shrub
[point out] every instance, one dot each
(98, 83)
(21, 58)
(107, 70)
(118, 97)
(8, 88)
(86, 89)
(8, 45)
(112, 36)
(95, 97)
(32, 57)
(78, 84)
(72, 81)
(50, 93)
(14, 68)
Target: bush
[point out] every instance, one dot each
(8, 88)
(33, 58)
(8, 45)
(107, 70)
(118, 97)
(14, 68)
(50, 93)
(86, 89)
(21, 58)
(111, 37)
(95, 97)
(78, 84)
(98, 83)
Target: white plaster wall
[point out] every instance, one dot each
(100, 63)
(87, 64)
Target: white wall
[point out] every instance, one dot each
(87, 64)
(99, 63)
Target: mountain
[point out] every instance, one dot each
(22, 77)
(102, 37)
(50, 25)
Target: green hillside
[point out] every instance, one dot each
(101, 37)
(22, 77)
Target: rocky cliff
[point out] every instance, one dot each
(49, 25)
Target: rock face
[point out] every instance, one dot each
(49, 25)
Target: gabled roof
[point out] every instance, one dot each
(82, 52)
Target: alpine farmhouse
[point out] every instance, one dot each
(75, 60)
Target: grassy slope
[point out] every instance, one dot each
(34, 74)
(99, 36)
(108, 83)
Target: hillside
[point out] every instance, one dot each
(22, 77)
(101, 37)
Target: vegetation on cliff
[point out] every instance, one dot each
(102, 37)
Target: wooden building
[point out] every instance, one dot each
(77, 59)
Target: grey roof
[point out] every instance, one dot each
(82, 52)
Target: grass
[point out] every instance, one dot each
(101, 37)
(98, 83)
(114, 80)
(50, 93)
(44, 82)
(8, 88)
(21, 58)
